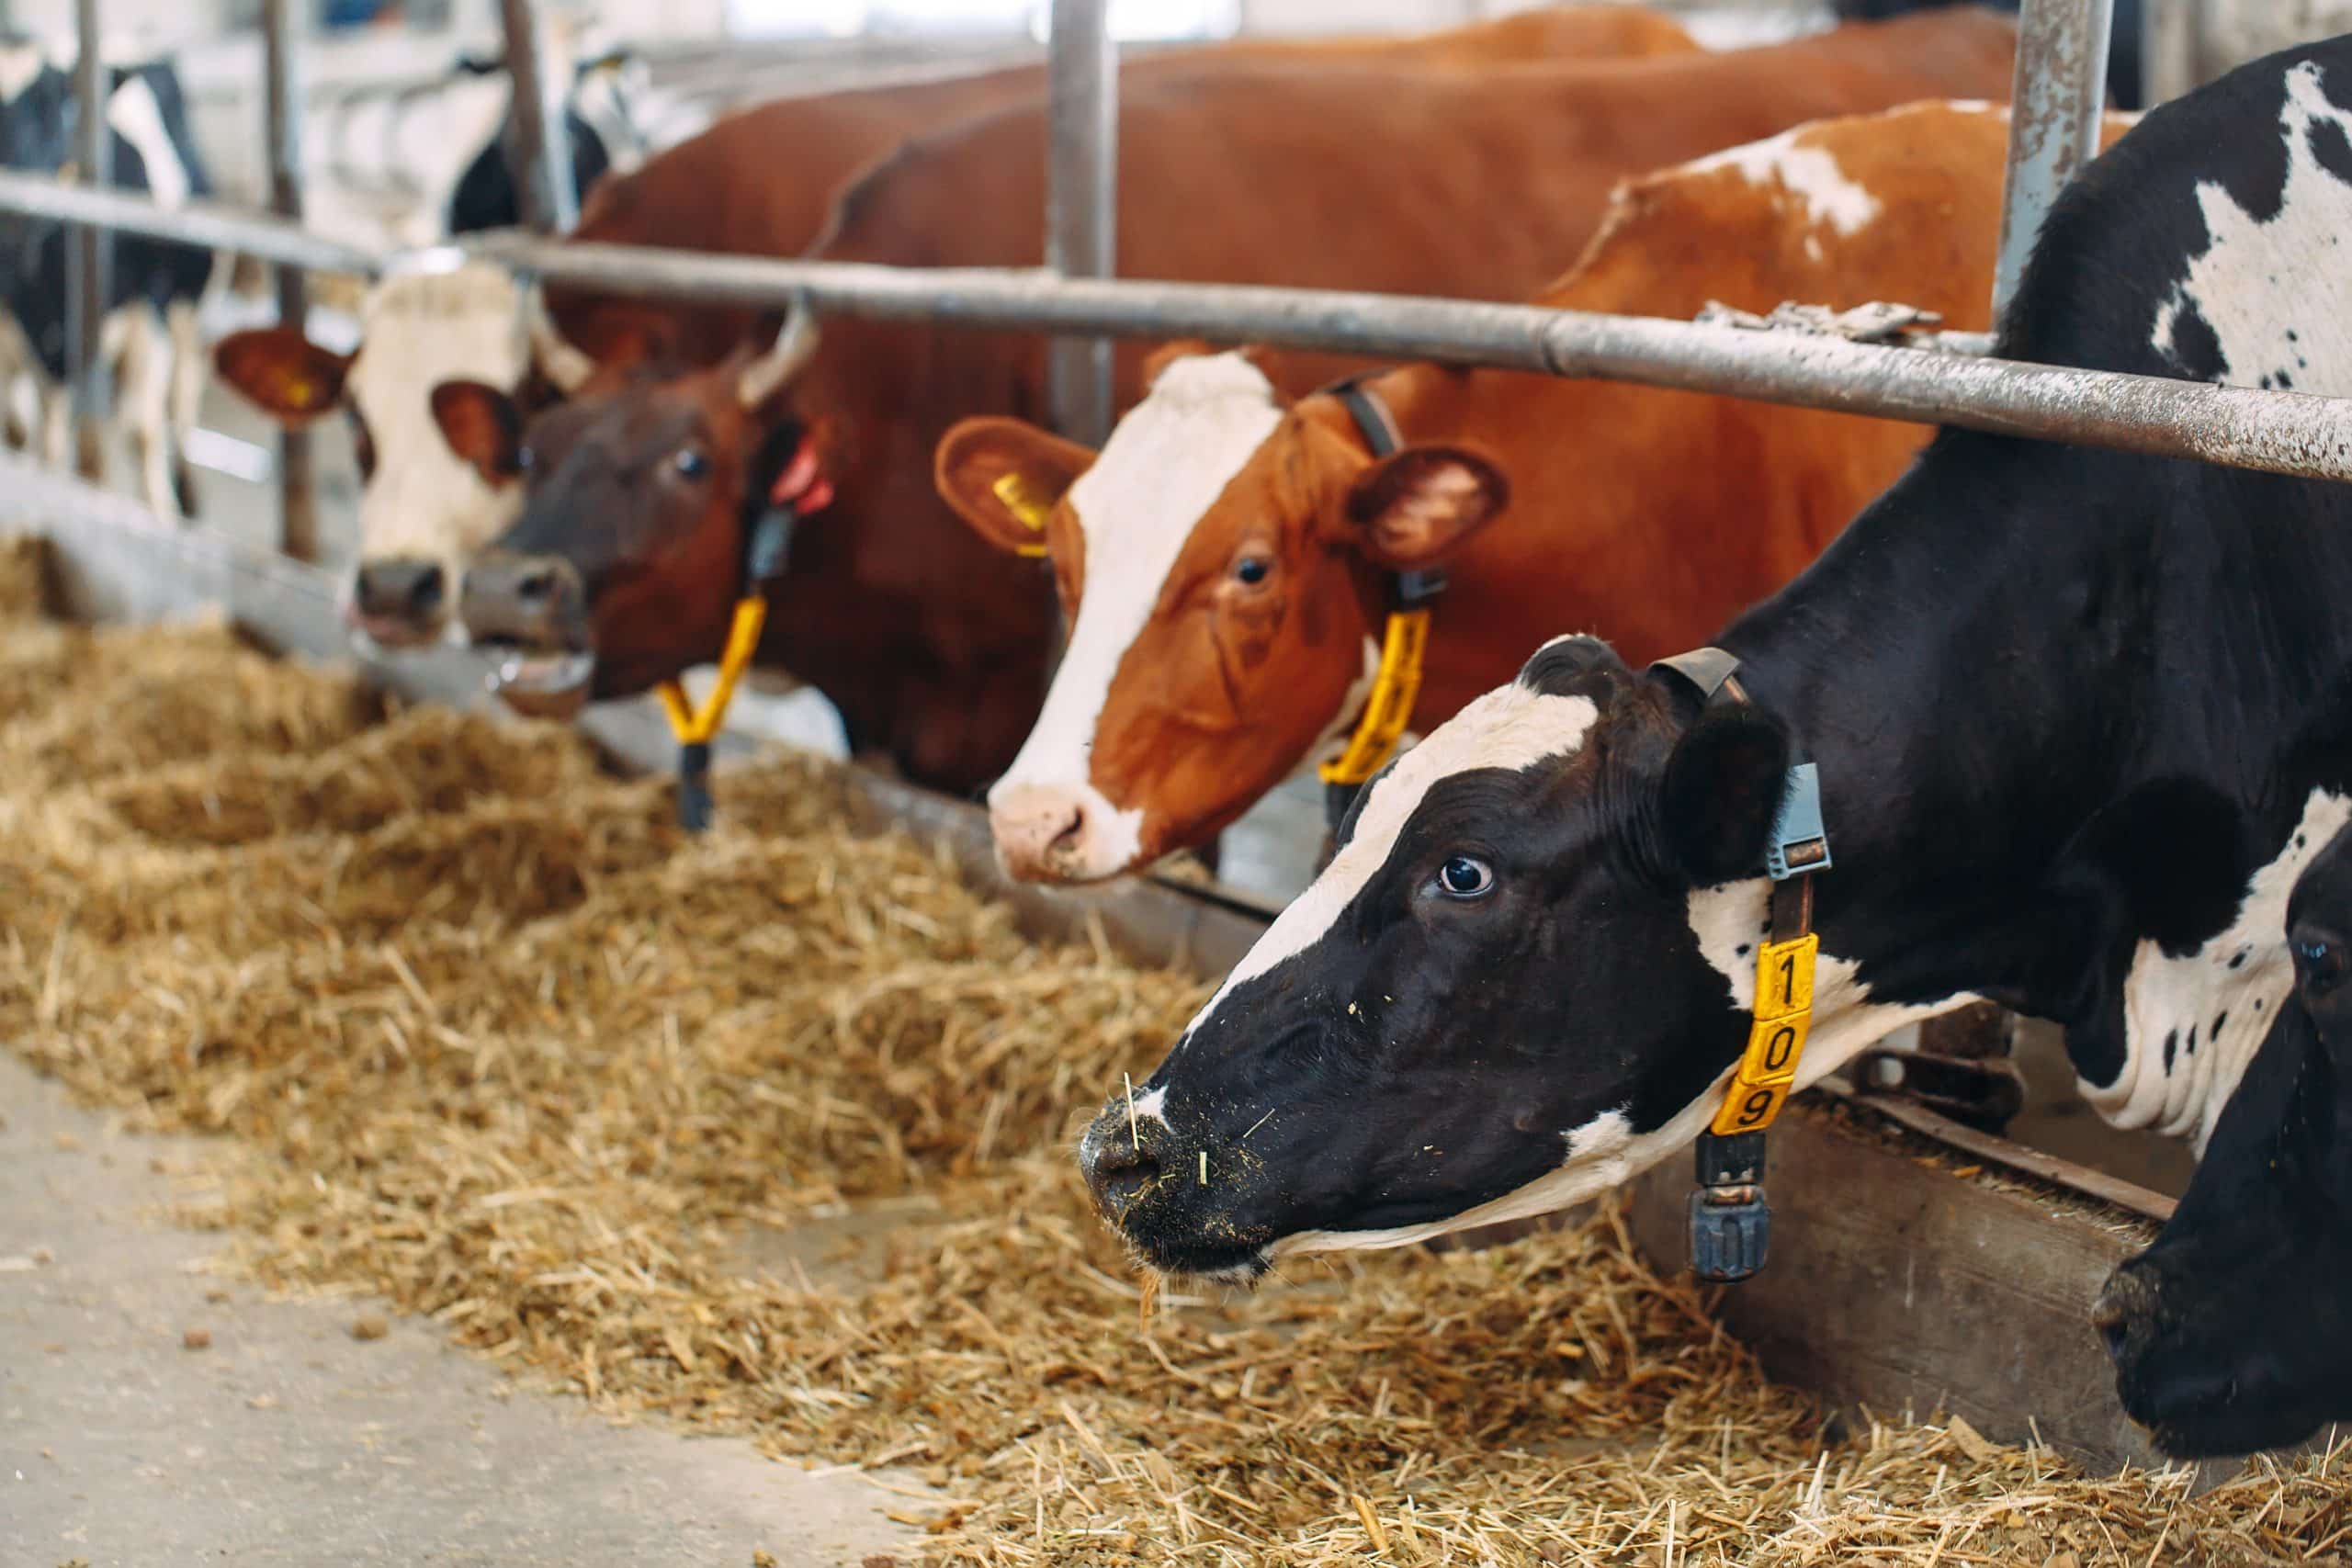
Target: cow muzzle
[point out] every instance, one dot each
(1058, 833)
(531, 614)
(1164, 1189)
(397, 602)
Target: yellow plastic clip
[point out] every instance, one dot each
(742, 640)
(1775, 1041)
(1029, 508)
(1394, 688)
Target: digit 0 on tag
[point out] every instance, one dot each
(1775, 1041)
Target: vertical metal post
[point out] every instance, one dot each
(1082, 201)
(297, 516)
(538, 140)
(2060, 89)
(90, 258)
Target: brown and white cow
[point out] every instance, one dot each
(932, 643)
(779, 166)
(1232, 554)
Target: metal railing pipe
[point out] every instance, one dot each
(538, 137)
(1082, 202)
(90, 256)
(298, 514)
(2055, 103)
(2284, 433)
(213, 224)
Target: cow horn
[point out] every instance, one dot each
(795, 345)
(565, 364)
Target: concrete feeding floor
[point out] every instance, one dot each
(290, 1440)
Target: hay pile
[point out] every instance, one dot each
(496, 1043)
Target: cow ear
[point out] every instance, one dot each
(1004, 476)
(483, 426)
(1576, 666)
(283, 373)
(1722, 794)
(1414, 507)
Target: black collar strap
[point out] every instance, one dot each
(1397, 683)
(1730, 1221)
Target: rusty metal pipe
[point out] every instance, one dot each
(2059, 91)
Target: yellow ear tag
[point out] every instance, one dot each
(1028, 508)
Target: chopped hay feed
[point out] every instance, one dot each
(493, 1040)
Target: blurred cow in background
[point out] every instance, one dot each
(149, 340)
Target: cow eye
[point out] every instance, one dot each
(2319, 964)
(1252, 569)
(1466, 877)
(690, 463)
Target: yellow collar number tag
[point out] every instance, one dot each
(1395, 689)
(1775, 1041)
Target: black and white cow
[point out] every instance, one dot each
(2234, 1332)
(2081, 719)
(429, 160)
(149, 337)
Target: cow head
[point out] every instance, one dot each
(626, 564)
(1221, 561)
(1519, 982)
(423, 504)
(2230, 1332)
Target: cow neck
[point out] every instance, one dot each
(1403, 605)
(1730, 1223)
(2047, 736)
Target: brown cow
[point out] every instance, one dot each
(776, 168)
(1235, 583)
(932, 645)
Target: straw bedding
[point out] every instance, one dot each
(495, 1043)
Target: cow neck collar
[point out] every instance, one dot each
(1405, 634)
(799, 488)
(1730, 1223)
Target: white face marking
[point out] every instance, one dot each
(1510, 727)
(2239, 977)
(1163, 467)
(1152, 1105)
(415, 332)
(20, 65)
(2235, 286)
(138, 118)
(1811, 174)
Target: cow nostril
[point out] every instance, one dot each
(536, 586)
(425, 593)
(1121, 1171)
(2112, 1322)
(1071, 830)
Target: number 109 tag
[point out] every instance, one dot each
(1775, 1041)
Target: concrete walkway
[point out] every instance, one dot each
(287, 1440)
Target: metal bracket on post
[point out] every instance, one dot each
(89, 280)
(298, 516)
(538, 137)
(2055, 103)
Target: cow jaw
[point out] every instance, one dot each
(1164, 466)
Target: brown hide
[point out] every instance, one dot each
(1649, 517)
(763, 182)
(933, 643)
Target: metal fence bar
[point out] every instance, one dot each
(89, 267)
(212, 224)
(2057, 96)
(2285, 433)
(297, 516)
(538, 137)
(1082, 201)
